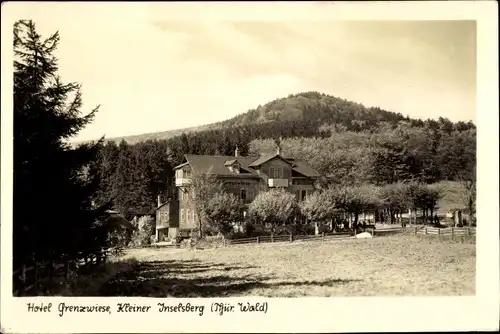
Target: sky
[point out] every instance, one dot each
(151, 72)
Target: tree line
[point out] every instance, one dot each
(346, 205)
(331, 208)
(132, 175)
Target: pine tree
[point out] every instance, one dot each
(53, 211)
(122, 180)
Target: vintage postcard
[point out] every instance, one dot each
(249, 167)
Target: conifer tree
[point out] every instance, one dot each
(53, 211)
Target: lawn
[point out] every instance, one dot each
(383, 266)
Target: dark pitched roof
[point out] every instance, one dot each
(162, 204)
(299, 166)
(203, 163)
(230, 162)
(264, 158)
(303, 168)
(117, 221)
(218, 164)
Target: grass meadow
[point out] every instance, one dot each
(384, 266)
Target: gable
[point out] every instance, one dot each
(277, 161)
(165, 206)
(218, 165)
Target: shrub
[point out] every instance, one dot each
(220, 213)
(142, 235)
(119, 238)
(273, 208)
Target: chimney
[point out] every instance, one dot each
(278, 150)
(236, 152)
(159, 200)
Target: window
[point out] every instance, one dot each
(181, 194)
(187, 195)
(297, 195)
(164, 216)
(243, 195)
(187, 173)
(250, 195)
(195, 216)
(182, 215)
(192, 216)
(187, 216)
(304, 194)
(275, 173)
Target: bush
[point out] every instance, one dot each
(273, 208)
(239, 235)
(119, 238)
(210, 229)
(324, 228)
(249, 228)
(144, 230)
(295, 229)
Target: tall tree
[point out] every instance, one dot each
(53, 210)
(204, 186)
(273, 207)
(222, 209)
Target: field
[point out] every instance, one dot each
(384, 266)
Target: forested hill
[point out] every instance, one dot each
(322, 108)
(314, 105)
(347, 142)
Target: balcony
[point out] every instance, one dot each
(182, 181)
(277, 183)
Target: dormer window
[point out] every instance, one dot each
(233, 165)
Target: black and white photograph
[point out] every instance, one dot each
(206, 158)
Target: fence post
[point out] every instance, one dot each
(323, 236)
(291, 237)
(452, 233)
(51, 269)
(66, 268)
(272, 239)
(468, 229)
(23, 278)
(36, 274)
(224, 242)
(258, 240)
(415, 230)
(426, 231)
(439, 233)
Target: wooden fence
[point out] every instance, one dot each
(288, 238)
(34, 274)
(446, 232)
(452, 232)
(443, 232)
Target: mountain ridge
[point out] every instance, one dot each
(299, 106)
